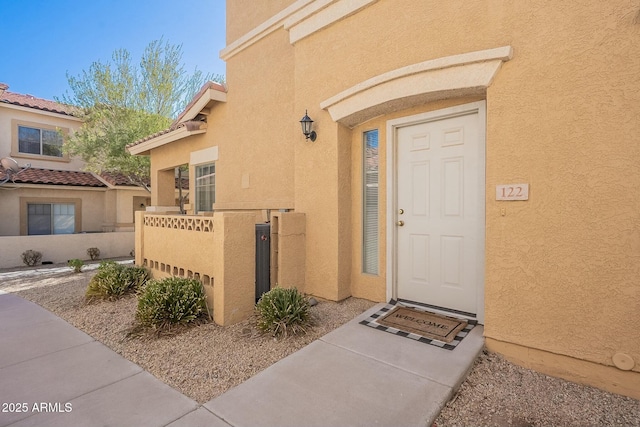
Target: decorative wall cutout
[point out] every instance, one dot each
(205, 279)
(191, 223)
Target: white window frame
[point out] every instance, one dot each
(199, 179)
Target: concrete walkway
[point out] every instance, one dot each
(56, 375)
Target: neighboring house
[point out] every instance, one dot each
(480, 157)
(52, 195)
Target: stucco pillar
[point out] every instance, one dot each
(288, 250)
(139, 237)
(163, 189)
(234, 267)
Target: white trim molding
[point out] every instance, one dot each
(320, 14)
(206, 155)
(451, 76)
(301, 19)
(262, 30)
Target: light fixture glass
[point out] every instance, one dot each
(306, 123)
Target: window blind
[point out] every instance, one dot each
(370, 203)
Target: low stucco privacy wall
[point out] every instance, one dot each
(63, 247)
(219, 251)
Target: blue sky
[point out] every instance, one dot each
(42, 40)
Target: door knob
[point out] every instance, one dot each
(400, 223)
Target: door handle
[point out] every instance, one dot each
(400, 223)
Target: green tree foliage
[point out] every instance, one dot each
(121, 103)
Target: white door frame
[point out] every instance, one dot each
(392, 182)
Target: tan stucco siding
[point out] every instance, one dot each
(253, 14)
(561, 269)
(13, 116)
(120, 206)
(258, 140)
(166, 158)
(13, 202)
(561, 116)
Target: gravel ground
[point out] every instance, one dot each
(205, 361)
(499, 393)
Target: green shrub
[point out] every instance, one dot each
(76, 264)
(171, 301)
(136, 276)
(282, 311)
(94, 253)
(31, 257)
(114, 280)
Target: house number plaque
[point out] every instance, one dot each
(512, 192)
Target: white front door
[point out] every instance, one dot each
(439, 218)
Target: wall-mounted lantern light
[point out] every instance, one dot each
(306, 123)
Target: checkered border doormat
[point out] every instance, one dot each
(371, 321)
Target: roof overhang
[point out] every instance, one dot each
(188, 123)
(202, 103)
(41, 111)
(144, 148)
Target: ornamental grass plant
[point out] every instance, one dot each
(283, 311)
(171, 301)
(114, 280)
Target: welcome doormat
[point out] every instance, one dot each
(420, 325)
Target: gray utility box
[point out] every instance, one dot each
(263, 259)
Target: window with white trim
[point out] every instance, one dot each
(370, 202)
(205, 187)
(44, 142)
(50, 218)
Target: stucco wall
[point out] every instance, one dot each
(253, 14)
(125, 205)
(562, 268)
(92, 206)
(62, 247)
(217, 250)
(256, 151)
(31, 117)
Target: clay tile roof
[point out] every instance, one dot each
(115, 178)
(191, 125)
(54, 177)
(208, 85)
(83, 179)
(31, 101)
